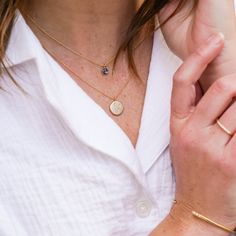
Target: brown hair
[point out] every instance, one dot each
(143, 17)
(7, 16)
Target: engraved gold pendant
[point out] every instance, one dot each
(116, 108)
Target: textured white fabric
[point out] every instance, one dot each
(66, 169)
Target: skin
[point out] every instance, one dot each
(203, 155)
(185, 35)
(96, 29)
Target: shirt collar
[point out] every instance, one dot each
(154, 134)
(90, 124)
(78, 109)
(15, 53)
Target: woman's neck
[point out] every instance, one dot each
(98, 23)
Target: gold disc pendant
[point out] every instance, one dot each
(116, 108)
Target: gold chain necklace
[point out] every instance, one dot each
(116, 107)
(105, 70)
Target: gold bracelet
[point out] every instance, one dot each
(204, 218)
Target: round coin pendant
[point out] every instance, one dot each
(105, 70)
(116, 108)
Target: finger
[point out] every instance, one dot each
(184, 92)
(226, 124)
(231, 148)
(216, 100)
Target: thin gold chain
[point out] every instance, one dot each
(45, 32)
(86, 82)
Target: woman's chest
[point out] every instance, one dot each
(126, 109)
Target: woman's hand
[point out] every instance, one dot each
(204, 155)
(185, 34)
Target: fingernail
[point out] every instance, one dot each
(216, 39)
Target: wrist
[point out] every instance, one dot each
(183, 219)
(180, 221)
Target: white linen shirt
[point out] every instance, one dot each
(66, 168)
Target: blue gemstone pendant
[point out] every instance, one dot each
(105, 70)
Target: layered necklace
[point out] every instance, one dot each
(116, 107)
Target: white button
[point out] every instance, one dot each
(143, 208)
